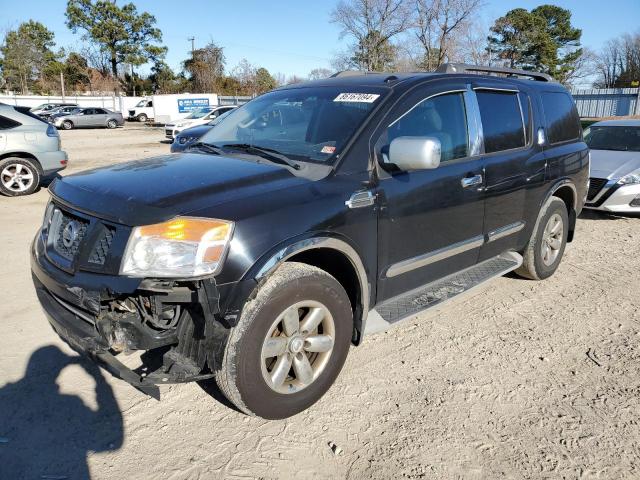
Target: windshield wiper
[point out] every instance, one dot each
(206, 147)
(268, 153)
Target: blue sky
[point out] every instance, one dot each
(292, 37)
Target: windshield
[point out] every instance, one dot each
(619, 138)
(312, 123)
(198, 113)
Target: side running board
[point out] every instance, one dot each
(428, 296)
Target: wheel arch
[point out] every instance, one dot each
(25, 155)
(566, 191)
(336, 257)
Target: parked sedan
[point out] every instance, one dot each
(615, 165)
(47, 107)
(89, 117)
(187, 137)
(50, 115)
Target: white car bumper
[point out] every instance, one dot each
(625, 199)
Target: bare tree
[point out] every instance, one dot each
(583, 70)
(618, 64)
(436, 25)
(372, 24)
(319, 73)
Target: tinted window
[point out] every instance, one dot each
(618, 138)
(501, 120)
(442, 117)
(6, 123)
(99, 111)
(563, 122)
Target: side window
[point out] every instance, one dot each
(100, 111)
(150, 104)
(7, 123)
(442, 117)
(501, 120)
(563, 123)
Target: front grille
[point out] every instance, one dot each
(69, 233)
(595, 185)
(101, 248)
(168, 133)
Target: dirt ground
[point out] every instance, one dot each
(521, 380)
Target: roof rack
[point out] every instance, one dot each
(510, 72)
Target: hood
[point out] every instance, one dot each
(612, 164)
(157, 189)
(196, 131)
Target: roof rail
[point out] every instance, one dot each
(510, 72)
(353, 73)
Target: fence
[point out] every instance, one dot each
(607, 102)
(115, 103)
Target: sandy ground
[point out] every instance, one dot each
(521, 380)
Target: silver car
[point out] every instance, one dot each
(89, 117)
(29, 151)
(615, 165)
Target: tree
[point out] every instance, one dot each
(264, 80)
(27, 51)
(319, 73)
(206, 68)
(542, 39)
(437, 25)
(618, 65)
(127, 36)
(372, 24)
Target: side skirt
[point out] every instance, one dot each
(405, 306)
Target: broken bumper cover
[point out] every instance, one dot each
(72, 304)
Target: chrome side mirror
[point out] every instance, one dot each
(415, 153)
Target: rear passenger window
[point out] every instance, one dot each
(442, 117)
(501, 120)
(563, 123)
(7, 123)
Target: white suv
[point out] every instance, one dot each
(29, 151)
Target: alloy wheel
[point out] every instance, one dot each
(552, 239)
(297, 347)
(17, 177)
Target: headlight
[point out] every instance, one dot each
(182, 247)
(630, 179)
(183, 140)
(178, 125)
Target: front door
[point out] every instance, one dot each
(431, 221)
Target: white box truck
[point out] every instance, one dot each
(163, 108)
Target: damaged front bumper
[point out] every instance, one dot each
(177, 325)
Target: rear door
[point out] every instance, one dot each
(99, 117)
(431, 221)
(513, 164)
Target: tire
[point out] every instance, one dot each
(18, 176)
(67, 125)
(545, 249)
(112, 124)
(142, 118)
(246, 376)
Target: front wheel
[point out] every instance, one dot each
(67, 125)
(549, 238)
(289, 345)
(142, 118)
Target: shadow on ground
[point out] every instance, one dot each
(47, 434)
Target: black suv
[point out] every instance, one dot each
(312, 215)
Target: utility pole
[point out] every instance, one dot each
(192, 40)
(62, 85)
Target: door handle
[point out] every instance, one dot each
(471, 181)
